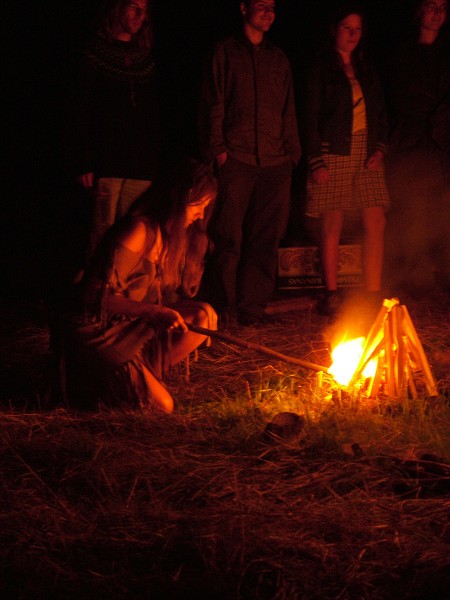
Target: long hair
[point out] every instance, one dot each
(339, 13)
(184, 248)
(108, 22)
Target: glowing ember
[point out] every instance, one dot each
(346, 357)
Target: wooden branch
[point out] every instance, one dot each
(411, 384)
(419, 353)
(376, 333)
(376, 380)
(390, 383)
(368, 357)
(401, 354)
(257, 347)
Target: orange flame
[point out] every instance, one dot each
(346, 357)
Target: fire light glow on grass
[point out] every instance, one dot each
(346, 357)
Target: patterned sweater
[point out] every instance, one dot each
(116, 112)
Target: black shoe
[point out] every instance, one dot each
(329, 304)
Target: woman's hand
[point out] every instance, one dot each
(320, 176)
(155, 314)
(86, 180)
(166, 317)
(221, 159)
(375, 161)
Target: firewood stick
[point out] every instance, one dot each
(376, 381)
(419, 353)
(375, 334)
(362, 363)
(411, 367)
(403, 373)
(412, 385)
(395, 347)
(257, 347)
(369, 352)
(394, 350)
(401, 353)
(391, 392)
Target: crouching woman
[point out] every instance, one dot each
(138, 295)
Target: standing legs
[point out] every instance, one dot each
(332, 222)
(374, 222)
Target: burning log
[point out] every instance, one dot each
(419, 353)
(374, 340)
(391, 355)
(257, 347)
(393, 342)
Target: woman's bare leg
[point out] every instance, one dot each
(374, 222)
(332, 222)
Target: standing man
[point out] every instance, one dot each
(116, 117)
(249, 129)
(418, 167)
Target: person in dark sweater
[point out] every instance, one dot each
(249, 130)
(418, 166)
(116, 114)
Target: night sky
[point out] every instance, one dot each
(41, 40)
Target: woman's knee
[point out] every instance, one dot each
(205, 316)
(159, 397)
(164, 402)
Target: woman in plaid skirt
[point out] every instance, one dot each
(345, 137)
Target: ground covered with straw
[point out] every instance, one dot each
(266, 483)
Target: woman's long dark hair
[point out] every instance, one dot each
(338, 14)
(184, 249)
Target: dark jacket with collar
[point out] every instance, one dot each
(419, 94)
(247, 106)
(328, 111)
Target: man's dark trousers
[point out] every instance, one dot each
(249, 222)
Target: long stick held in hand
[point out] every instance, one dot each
(253, 346)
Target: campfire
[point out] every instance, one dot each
(390, 361)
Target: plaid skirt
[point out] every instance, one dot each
(351, 185)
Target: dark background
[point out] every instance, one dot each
(42, 210)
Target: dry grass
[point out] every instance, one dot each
(131, 505)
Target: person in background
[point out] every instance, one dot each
(418, 166)
(248, 128)
(345, 131)
(136, 297)
(115, 125)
